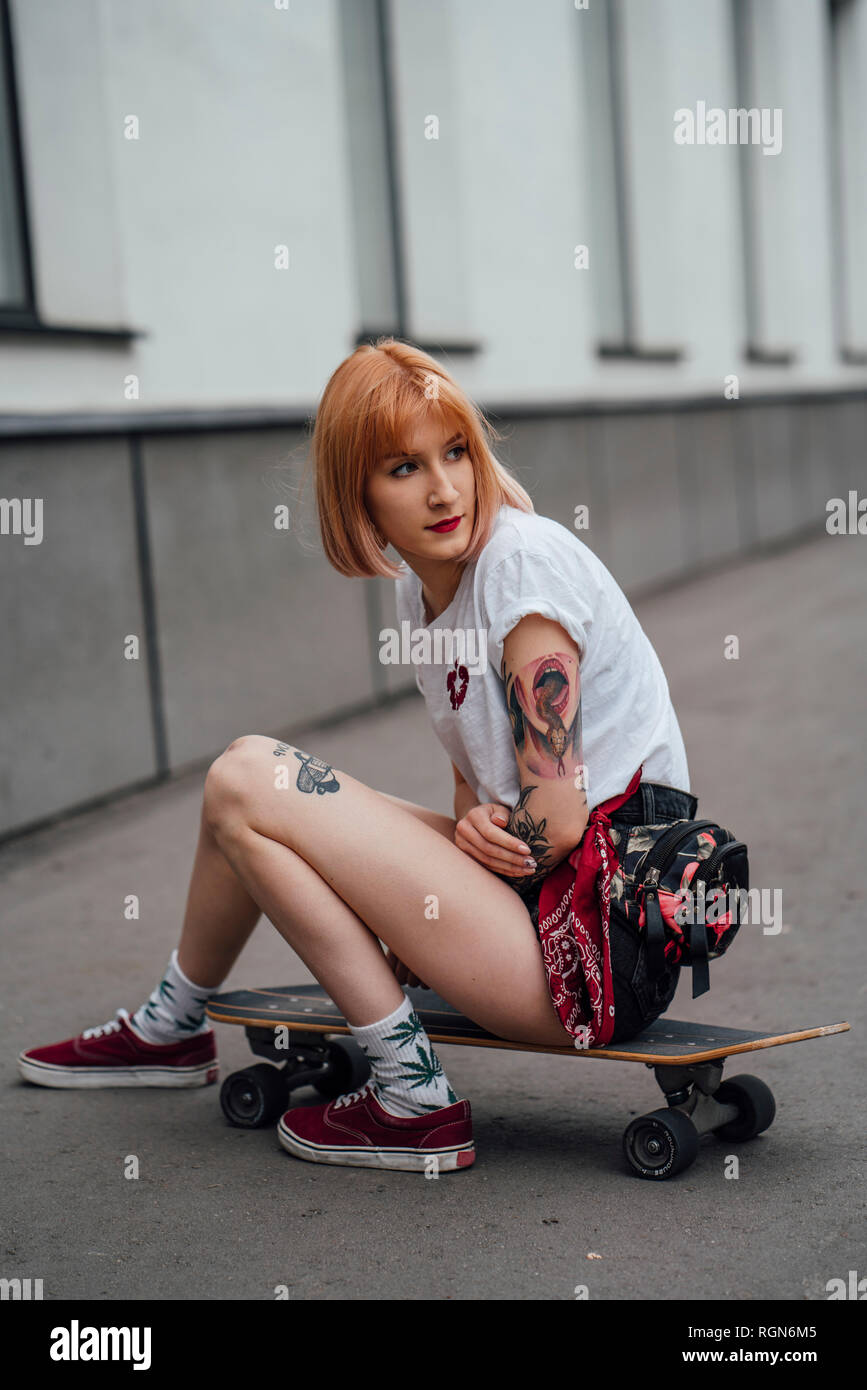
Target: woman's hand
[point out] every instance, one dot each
(482, 835)
(402, 973)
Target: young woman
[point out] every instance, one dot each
(556, 715)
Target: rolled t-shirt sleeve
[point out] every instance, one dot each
(525, 583)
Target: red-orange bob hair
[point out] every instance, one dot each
(366, 414)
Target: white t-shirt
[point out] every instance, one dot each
(532, 564)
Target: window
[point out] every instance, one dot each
(16, 282)
(611, 272)
(377, 244)
(848, 160)
(398, 67)
(631, 258)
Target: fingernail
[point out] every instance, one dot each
(529, 863)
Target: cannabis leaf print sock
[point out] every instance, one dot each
(175, 1010)
(407, 1074)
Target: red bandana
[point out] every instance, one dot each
(575, 934)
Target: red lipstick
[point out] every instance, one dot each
(448, 525)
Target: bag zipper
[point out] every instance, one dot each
(655, 857)
(706, 870)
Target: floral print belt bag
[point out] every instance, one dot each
(682, 885)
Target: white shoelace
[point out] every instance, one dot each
(113, 1026)
(366, 1089)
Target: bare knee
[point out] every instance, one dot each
(228, 781)
(219, 794)
(246, 744)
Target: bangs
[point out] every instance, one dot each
(393, 426)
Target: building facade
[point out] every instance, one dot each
(634, 230)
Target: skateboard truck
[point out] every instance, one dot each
(679, 1085)
(692, 1091)
(699, 1102)
(258, 1095)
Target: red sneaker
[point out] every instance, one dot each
(355, 1130)
(114, 1054)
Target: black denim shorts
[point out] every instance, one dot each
(637, 1001)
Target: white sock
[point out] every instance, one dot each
(405, 1070)
(175, 1010)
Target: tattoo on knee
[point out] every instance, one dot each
(315, 776)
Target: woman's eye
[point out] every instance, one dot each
(396, 472)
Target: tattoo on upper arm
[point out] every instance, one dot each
(544, 704)
(543, 700)
(313, 775)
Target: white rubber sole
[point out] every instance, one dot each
(103, 1078)
(404, 1160)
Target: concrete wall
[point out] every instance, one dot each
(244, 628)
(74, 715)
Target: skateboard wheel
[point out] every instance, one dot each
(348, 1070)
(660, 1144)
(755, 1103)
(254, 1097)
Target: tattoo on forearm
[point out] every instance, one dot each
(522, 824)
(313, 775)
(544, 704)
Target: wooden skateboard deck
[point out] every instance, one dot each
(308, 1009)
(294, 1027)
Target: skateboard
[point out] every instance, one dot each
(295, 1027)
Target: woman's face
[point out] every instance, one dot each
(408, 495)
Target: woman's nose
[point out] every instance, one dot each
(443, 490)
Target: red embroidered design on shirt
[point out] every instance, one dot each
(457, 696)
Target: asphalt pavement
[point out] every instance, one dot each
(776, 746)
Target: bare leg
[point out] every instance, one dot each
(327, 858)
(221, 915)
(336, 946)
(219, 918)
